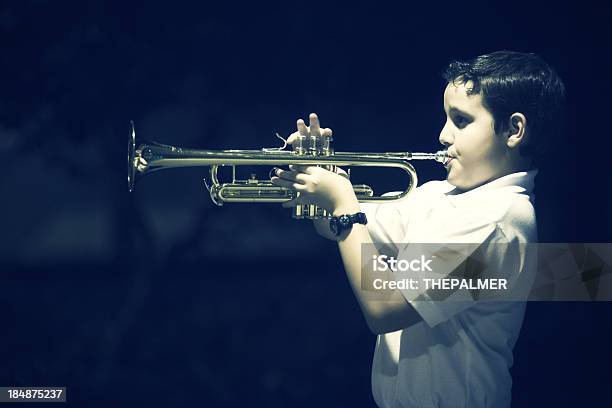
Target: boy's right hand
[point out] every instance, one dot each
(313, 130)
(321, 225)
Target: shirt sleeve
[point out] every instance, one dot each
(491, 256)
(387, 223)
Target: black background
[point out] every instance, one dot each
(158, 297)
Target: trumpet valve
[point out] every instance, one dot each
(327, 149)
(314, 147)
(300, 146)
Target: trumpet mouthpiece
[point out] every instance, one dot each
(440, 156)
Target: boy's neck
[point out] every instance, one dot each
(516, 166)
(522, 164)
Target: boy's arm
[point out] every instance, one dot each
(382, 316)
(329, 190)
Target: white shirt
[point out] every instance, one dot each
(460, 354)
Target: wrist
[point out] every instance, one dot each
(340, 225)
(348, 207)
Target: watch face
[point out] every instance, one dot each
(345, 220)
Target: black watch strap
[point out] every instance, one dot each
(359, 218)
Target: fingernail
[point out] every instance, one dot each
(273, 172)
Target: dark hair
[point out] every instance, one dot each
(511, 82)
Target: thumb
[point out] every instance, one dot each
(292, 138)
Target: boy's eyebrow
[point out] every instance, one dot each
(459, 111)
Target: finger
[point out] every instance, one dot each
(287, 184)
(294, 176)
(309, 170)
(292, 138)
(315, 127)
(302, 129)
(327, 132)
(304, 169)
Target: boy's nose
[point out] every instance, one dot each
(446, 136)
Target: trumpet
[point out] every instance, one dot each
(149, 157)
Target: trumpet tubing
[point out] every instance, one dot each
(149, 157)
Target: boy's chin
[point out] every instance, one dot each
(454, 180)
(459, 183)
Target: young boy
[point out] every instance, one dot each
(500, 109)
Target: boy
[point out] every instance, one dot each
(500, 108)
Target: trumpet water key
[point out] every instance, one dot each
(148, 157)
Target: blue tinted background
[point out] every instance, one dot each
(158, 297)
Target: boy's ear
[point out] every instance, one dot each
(517, 130)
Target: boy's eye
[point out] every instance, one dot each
(461, 121)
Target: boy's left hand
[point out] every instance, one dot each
(318, 186)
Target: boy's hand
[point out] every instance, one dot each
(328, 190)
(313, 129)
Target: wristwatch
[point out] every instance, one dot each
(346, 221)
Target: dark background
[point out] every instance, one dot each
(158, 297)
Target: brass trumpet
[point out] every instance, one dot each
(148, 157)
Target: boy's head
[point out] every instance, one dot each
(501, 108)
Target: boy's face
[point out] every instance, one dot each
(478, 154)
